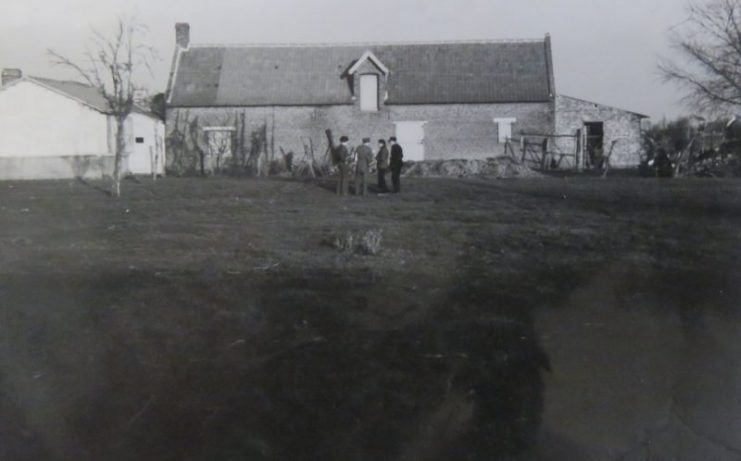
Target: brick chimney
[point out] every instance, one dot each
(140, 97)
(182, 34)
(9, 75)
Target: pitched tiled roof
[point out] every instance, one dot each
(85, 94)
(475, 72)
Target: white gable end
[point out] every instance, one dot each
(38, 122)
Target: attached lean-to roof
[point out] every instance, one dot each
(432, 73)
(596, 104)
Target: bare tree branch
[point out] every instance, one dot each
(709, 43)
(110, 64)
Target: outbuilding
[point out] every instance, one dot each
(55, 129)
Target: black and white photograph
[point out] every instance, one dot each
(352, 230)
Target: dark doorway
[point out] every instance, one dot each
(595, 133)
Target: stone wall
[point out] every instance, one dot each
(451, 131)
(56, 167)
(620, 125)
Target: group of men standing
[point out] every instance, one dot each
(363, 158)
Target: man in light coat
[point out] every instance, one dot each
(341, 159)
(362, 167)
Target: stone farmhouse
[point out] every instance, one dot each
(226, 103)
(55, 129)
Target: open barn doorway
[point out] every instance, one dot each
(595, 142)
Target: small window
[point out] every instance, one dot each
(504, 126)
(369, 92)
(140, 140)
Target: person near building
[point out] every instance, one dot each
(397, 161)
(364, 159)
(382, 165)
(341, 159)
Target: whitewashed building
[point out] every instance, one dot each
(53, 129)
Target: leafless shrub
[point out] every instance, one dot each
(370, 242)
(365, 242)
(277, 167)
(305, 169)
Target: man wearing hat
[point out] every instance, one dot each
(362, 168)
(382, 164)
(397, 161)
(341, 158)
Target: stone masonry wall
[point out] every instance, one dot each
(451, 131)
(620, 125)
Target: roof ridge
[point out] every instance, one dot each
(60, 81)
(400, 43)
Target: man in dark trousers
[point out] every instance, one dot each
(397, 161)
(362, 167)
(382, 165)
(341, 159)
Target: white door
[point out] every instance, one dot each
(411, 135)
(369, 92)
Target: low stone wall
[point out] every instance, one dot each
(58, 167)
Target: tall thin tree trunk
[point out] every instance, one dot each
(118, 159)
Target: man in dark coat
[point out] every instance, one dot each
(382, 165)
(362, 167)
(397, 161)
(341, 158)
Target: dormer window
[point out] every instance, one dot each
(369, 92)
(367, 72)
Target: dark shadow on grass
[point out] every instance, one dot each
(329, 184)
(96, 187)
(668, 201)
(274, 368)
(18, 442)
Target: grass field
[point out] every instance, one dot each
(209, 319)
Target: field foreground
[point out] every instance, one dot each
(214, 319)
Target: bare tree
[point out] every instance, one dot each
(112, 64)
(709, 42)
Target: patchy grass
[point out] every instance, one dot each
(205, 319)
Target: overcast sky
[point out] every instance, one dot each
(604, 50)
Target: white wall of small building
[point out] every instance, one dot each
(48, 135)
(38, 122)
(45, 135)
(149, 154)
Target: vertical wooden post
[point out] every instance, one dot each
(523, 148)
(578, 152)
(544, 157)
(310, 157)
(154, 153)
(242, 151)
(272, 137)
